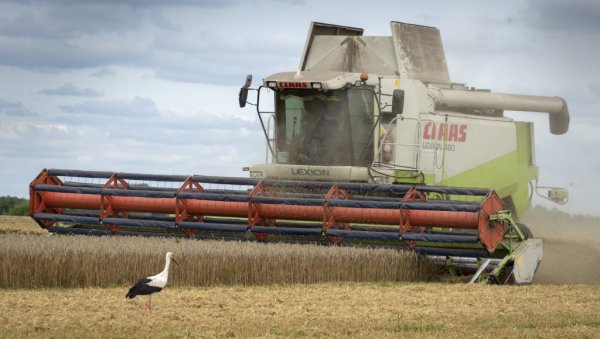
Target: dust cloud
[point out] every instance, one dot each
(571, 246)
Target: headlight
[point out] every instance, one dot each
(380, 180)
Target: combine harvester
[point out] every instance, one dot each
(369, 144)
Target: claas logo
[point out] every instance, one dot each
(284, 84)
(455, 132)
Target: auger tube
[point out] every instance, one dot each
(556, 107)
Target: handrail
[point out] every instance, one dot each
(417, 145)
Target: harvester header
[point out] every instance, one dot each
(273, 210)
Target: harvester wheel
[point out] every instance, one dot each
(526, 231)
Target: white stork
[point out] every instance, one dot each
(149, 285)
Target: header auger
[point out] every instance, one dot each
(369, 144)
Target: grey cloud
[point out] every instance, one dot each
(210, 57)
(14, 108)
(221, 139)
(581, 16)
(103, 72)
(137, 107)
(75, 35)
(228, 132)
(163, 22)
(594, 87)
(61, 35)
(69, 54)
(69, 89)
(135, 3)
(165, 128)
(575, 149)
(52, 21)
(140, 119)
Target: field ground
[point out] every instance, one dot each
(571, 247)
(17, 224)
(319, 310)
(547, 309)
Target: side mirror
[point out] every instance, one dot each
(243, 96)
(398, 101)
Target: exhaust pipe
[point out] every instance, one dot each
(556, 107)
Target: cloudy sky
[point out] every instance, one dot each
(151, 86)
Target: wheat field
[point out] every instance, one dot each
(34, 261)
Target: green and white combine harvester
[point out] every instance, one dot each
(369, 143)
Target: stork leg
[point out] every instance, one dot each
(148, 304)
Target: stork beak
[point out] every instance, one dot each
(175, 261)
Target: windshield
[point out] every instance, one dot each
(317, 128)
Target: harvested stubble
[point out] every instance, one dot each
(330, 310)
(31, 261)
(20, 225)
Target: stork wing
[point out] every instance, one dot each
(138, 287)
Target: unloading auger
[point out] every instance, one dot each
(466, 227)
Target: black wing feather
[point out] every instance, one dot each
(142, 288)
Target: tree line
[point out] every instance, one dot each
(13, 206)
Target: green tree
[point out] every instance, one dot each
(13, 206)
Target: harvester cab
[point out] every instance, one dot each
(369, 144)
